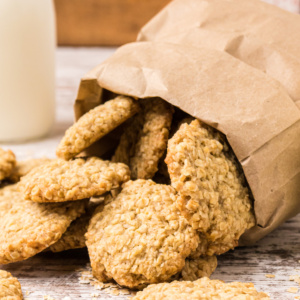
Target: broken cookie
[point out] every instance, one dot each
(140, 237)
(10, 287)
(61, 180)
(212, 192)
(95, 124)
(145, 138)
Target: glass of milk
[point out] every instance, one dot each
(27, 66)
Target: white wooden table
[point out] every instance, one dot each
(58, 275)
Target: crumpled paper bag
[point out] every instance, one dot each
(260, 34)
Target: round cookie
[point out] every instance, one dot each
(201, 289)
(212, 193)
(95, 124)
(60, 180)
(145, 138)
(140, 237)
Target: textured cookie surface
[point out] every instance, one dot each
(24, 167)
(7, 199)
(10, 287)
(7, 163)
(213, 196)
(201, 289)
(95, 124)
(62, 180)
(145, 138)
(140, 237)
(28, 228)
(74, 237)
(197, 268)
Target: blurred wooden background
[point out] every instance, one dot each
(103, 22)
(114, 22)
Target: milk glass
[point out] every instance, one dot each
(27, 79)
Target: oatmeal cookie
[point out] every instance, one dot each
(7, 163)
(61, 180)
(6, 199)
(212, 192)
(74, 237)
(201, 289)
(145, 138)
(28, 228)
(196, 268)
(95, 124)
(10, 287)
(24, 167)
(140, 237)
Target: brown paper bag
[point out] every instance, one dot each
(260, 120)
(262, 35)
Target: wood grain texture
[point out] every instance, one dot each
(58, 274)
(103, 22)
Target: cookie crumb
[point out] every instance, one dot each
(293, 290)
(269, 275)
(47, 297)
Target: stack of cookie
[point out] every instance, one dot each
(169, 200)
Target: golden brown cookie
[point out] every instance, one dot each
(140, 237)
(10, 287)
(28, 228)
(201, 289)
(61, 180)
(212, 192)
(95, 124)
(7, 163)
(74, 237)
(196, 268)
(24, 167)
(6, 199)
(145, 138)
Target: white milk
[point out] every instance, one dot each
(27, 53)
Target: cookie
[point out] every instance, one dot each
(197, 268)
(95, 124)
(140, 237)
(7, 163)
(144, 140)
(212, 191)
(24, 167)
(201, 289)
(74, 238)
(61, 180)
(28, 228)
(6, 200)
(10, 287)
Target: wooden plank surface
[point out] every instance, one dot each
(58, 275)
(103, 22)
